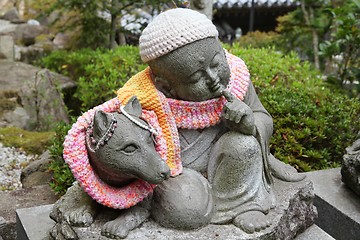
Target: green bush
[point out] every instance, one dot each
(258, 39)
(98, 73)
(62, 176)
(313, 124)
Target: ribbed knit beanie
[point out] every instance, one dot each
(173, 29)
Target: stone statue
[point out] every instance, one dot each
(350, 169)
(201, 113)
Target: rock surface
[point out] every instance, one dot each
(32, 96)
(36, 173)
(23, 198)
(350, 170)
(11, 162)
(294, 213)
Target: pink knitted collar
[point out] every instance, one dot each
(192, 115)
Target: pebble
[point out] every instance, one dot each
(12, 161)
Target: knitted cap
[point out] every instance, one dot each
(173, 29)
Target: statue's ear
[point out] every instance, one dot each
(101, 123)
(133, 107)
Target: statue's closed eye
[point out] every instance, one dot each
(129, 149)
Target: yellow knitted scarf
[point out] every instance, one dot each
(142, 86)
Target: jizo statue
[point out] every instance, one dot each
(195, 107)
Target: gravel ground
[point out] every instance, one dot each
(12, 161)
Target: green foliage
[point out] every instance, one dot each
(313, 124)
(258, 39)
(98, 73)
(62, 176)
(81, 20)
(333, 28)
(89, 19)
(30, 142)
(344, 44)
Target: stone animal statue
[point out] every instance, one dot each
(215, 130)
(121, 154)
(121, 150)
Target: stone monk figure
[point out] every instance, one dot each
(212, 122)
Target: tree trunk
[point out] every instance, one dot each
(309, 19)
(315, 39)
(113, 22)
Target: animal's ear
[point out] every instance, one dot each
(133, 107)
(101, 123)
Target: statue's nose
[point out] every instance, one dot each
(212, 75)
(165, 173)
(213, 80)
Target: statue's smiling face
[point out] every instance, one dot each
(195, 72)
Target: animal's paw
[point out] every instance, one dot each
(115, 229)
(81, 217)
(127, 221)
(63, 231)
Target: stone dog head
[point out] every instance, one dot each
(120, 151)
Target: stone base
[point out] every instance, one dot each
(292, 216)
(338, 209)
(338, 206)
(23, 198)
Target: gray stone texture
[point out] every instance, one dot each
(25, 34)
(24, 198)
(36, 173)
(337, 205)
(25, 227)
(35, 94)
(11, 15)
(350, 170)
(293, 214)
(314, 232)
(7, 47)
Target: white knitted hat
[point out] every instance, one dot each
(173, 29)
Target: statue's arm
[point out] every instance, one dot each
(262, 119)
(248, 116)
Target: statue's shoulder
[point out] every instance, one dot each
(240, 76)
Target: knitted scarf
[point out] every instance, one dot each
(166, 115)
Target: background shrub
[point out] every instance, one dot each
(98, 73)
(313, 123)
(258, 39)
(62, 175)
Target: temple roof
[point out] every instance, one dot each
(258, 3)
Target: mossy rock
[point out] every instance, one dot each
(30, 142)
(8, 101)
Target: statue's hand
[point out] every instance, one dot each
(238, 116)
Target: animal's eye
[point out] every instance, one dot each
(131, 148)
